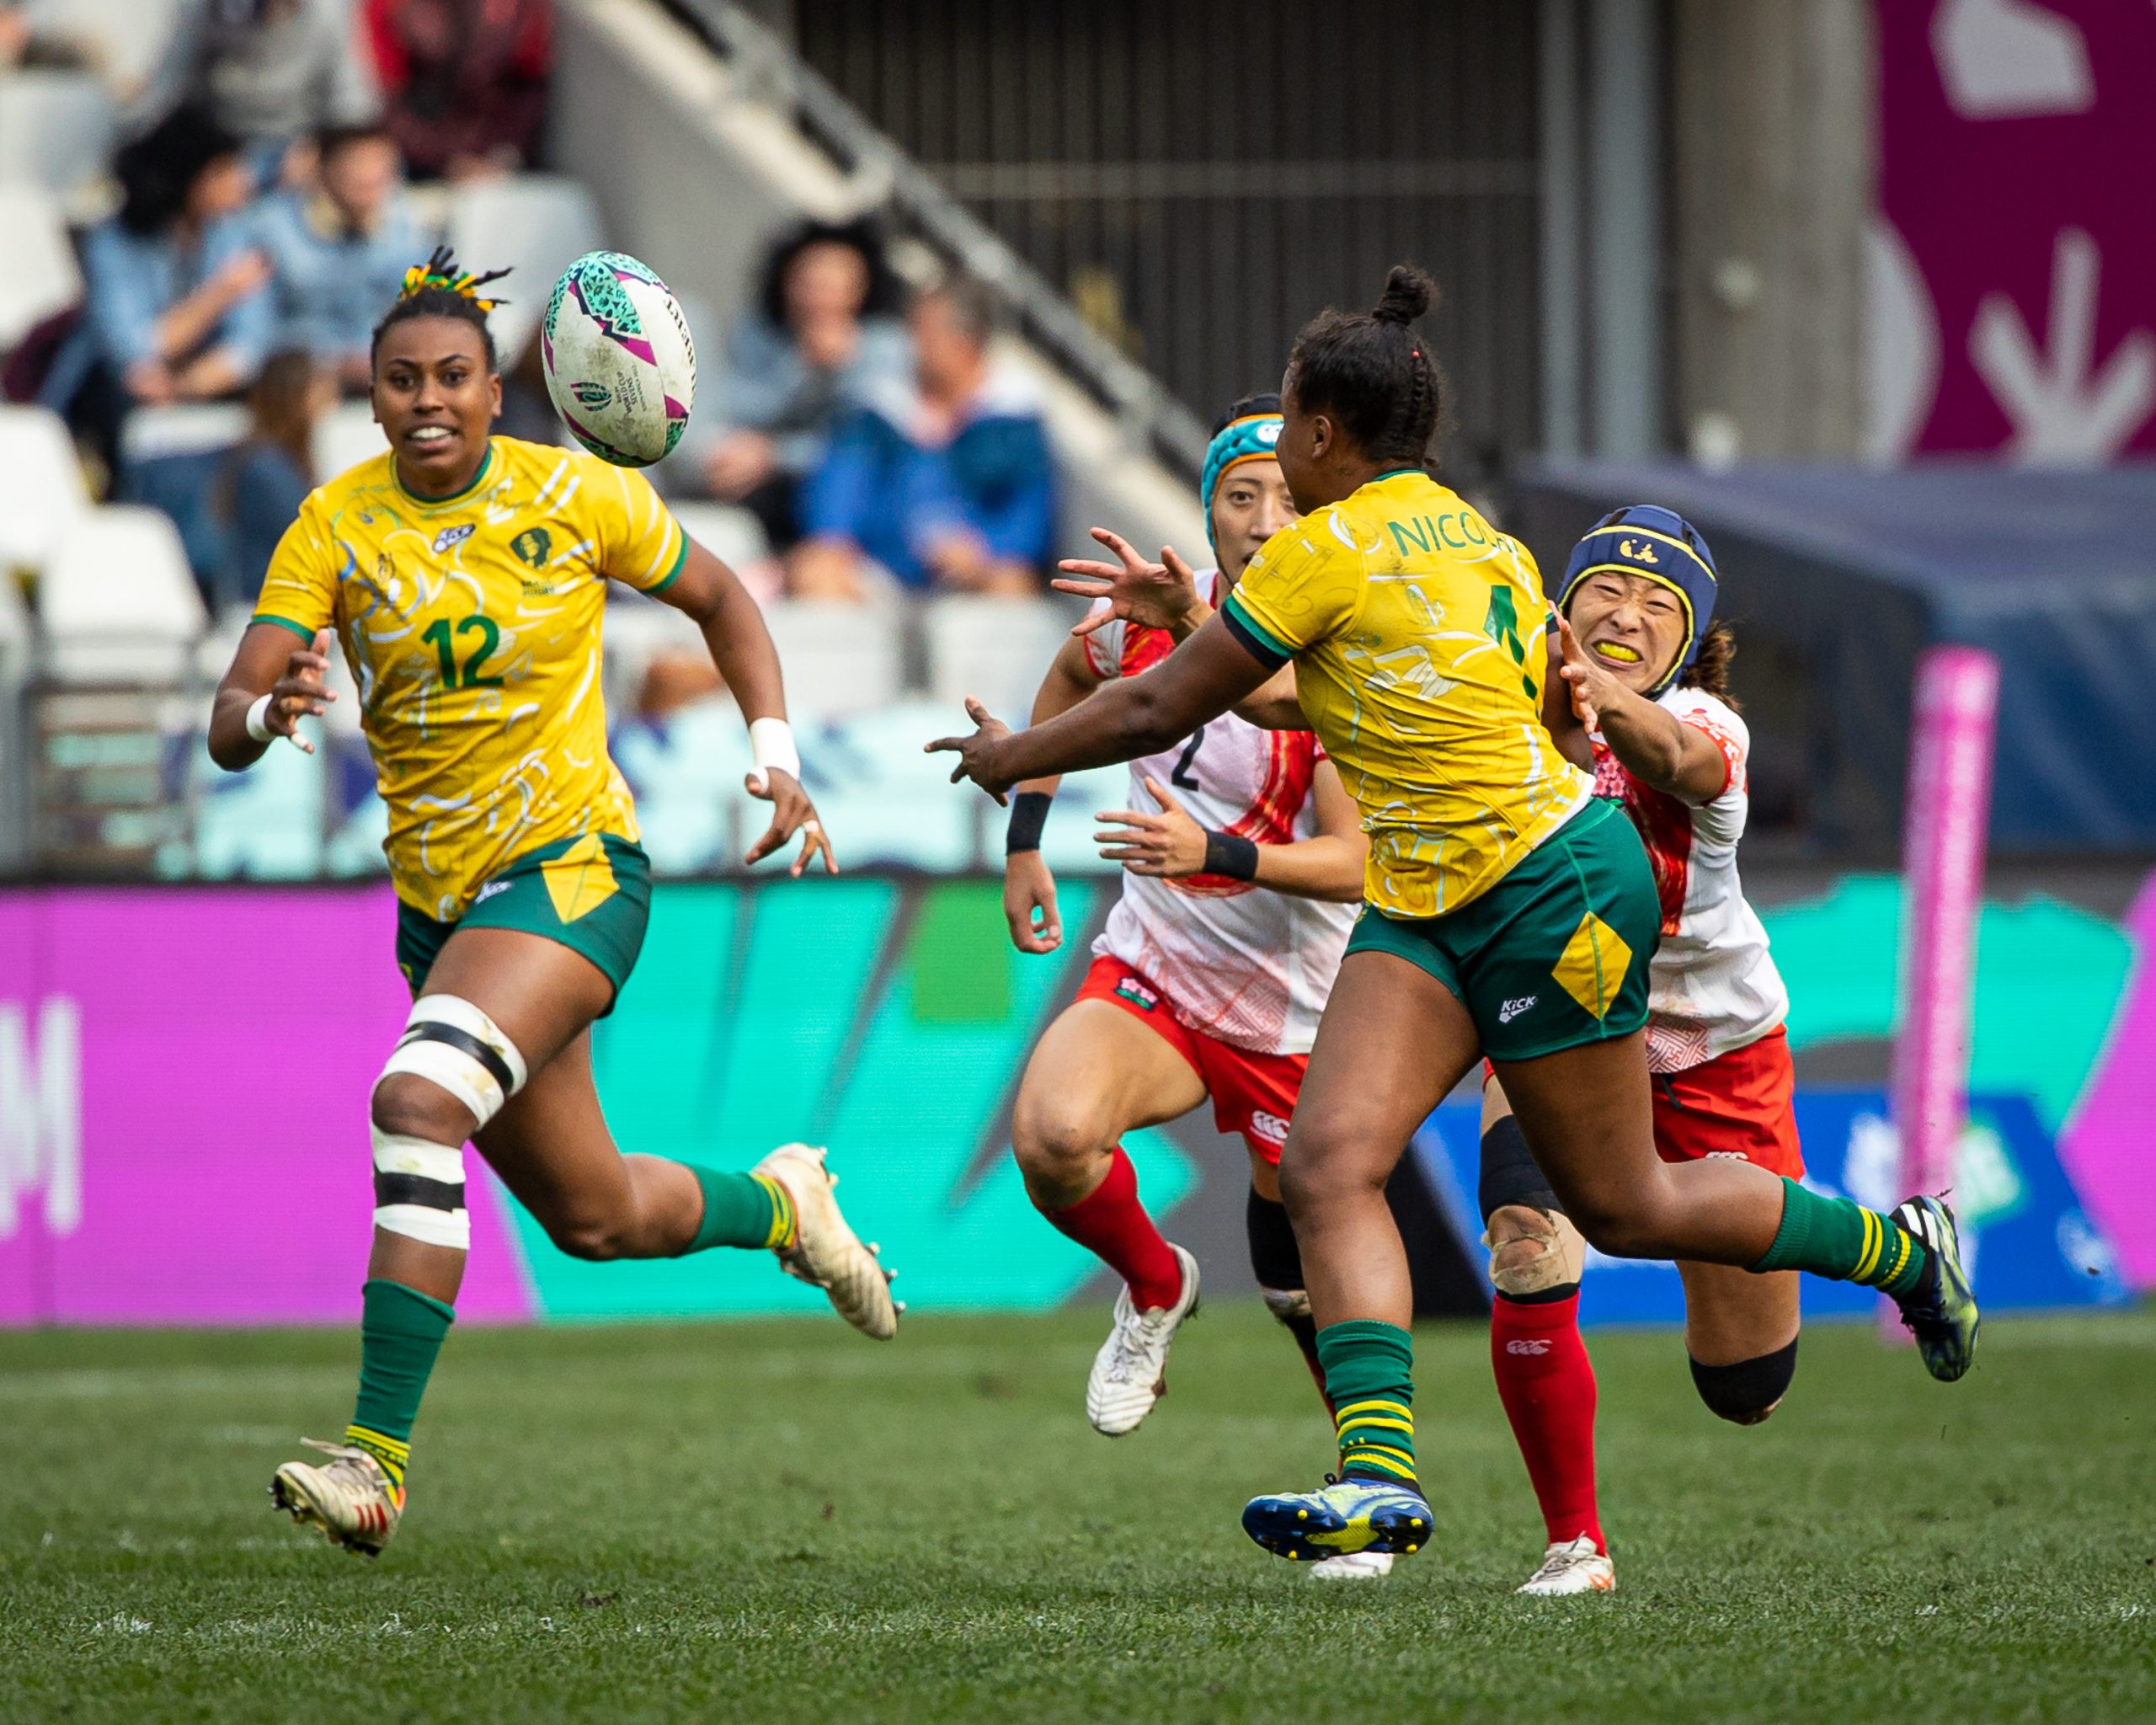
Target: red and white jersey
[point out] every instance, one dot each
(1237, 962)
(1713, 986)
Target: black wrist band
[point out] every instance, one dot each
(1232, 855)
(1028, 815)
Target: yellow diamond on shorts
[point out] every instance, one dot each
(1593, 966)
(580, 879)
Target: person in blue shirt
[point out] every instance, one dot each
(947, 483)
(176, 309)
(337, 253)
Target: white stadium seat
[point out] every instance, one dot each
(56, 130)
(995, 648)
(42, 489)
(116, 600)
(345, 436)
(838, 658)
(188, 427)
(727, 531)
(534, 224)
(42, 276)
(128, 36)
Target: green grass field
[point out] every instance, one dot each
(780, 1520)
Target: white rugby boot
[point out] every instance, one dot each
(1576, 1568)
(1353, 1566)
(826, 1250)
(1130, 1373)
(350, 1499)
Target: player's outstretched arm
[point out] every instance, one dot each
(1164, 595)
(1649, 740)
(1133, 716)
(273, 683)
(1173, 846)
(712, 596)
(1029, 903)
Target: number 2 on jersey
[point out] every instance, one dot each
(439, 634)
(1182, 777)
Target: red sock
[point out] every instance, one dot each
(1112, 1224)
(1547, 1382)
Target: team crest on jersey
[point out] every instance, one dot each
(532, 546)
(453, 535)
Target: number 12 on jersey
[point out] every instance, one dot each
(440, 633)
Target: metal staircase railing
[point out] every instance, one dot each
(767, 69)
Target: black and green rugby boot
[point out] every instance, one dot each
(1940, 1312)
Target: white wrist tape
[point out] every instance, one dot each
(258, 720)
(771, 740)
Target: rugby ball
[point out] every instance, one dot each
(620, 366)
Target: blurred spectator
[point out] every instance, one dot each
(823, 338)
(272, 71)
(232, 505)
(465, 81)
(176, 308)
(33, 35)
(339, 253)
(946, 482)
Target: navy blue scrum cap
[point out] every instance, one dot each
(1644, 539)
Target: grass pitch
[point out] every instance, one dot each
(781, 1520)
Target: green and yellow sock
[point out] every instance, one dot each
(753, 1211)
(401, 1332)
(1835, 1237)
(1370, 1379)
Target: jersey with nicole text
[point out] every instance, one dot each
(1713, 985)
(1237, 961)
(471, 624)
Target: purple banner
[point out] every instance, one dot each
(183, 1122)
(2014, 267)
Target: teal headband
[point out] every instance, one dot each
(1251, 438)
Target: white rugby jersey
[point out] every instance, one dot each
(1236, 961)
(1713, 986)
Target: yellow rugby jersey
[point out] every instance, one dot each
(1417, 632)
(472, 626)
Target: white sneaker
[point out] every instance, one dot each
(351, 1499)
(826, 1250)
(1573, 1568)
(1353, 1566)
(1130, 1373)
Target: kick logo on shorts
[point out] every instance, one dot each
(1512, 1009)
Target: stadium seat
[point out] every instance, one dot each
(838, 658)
(56, 130)
(995, 648)
(729, 532)
(128, 36)
(345, 436)
(534, 224)
(116, 600)
(42, 276)
(42, 489)
(189, 428)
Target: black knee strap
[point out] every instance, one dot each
(1274, 1257)
(1744, 1391)
(1509, 1175)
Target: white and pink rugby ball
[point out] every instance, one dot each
(621, 366)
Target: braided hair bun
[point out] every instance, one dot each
(1408, 294)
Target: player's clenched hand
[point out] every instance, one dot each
(977, 753)
(1029, 903)
(792, 812)
(300, 692)
(1154, 595)
(1169, 844)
